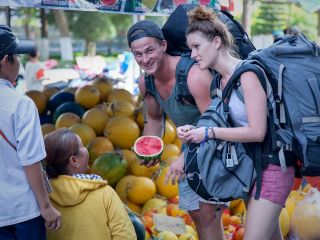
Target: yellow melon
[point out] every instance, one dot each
(177, 142)
(284, 221)
(103, 106)
(305, 219)
(121, 94)
(98, 146)
(95, 118)
(167, 235)
(141, 170)
(66, 120)
(154, 205)
(47, 128)
(39, 98)
(121, 108)
(87, 96)
(129, 155)
(86, 133)
(123, 186)
(122, 132)
(140, 119)
(166, 190)
(170, 132)
(237, 207)
(134, 207)
(141, 190)
(50, 91)
(104, 86)
(187, 236)
(170, 150)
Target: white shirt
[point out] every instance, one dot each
(19, 121)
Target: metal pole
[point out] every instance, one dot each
(8, 16)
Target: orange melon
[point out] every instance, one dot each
(141, 190)
(98, 146)
(95, 118)
(122, 132)
(170, 132)
(66, 120)
(104, 86)
(121, 94)
(86, 133)
(39, 98)
(87, 96)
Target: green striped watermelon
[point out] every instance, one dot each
(148, 148)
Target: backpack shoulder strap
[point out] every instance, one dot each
(150, 87)
(234, 81)
(182, 70)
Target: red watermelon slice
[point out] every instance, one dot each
(148, 148)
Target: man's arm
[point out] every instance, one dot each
(153, 113)
(153, 117)
(35, 178)
(199, 82)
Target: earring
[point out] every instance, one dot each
(77, 165)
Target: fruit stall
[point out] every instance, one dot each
(109, 120)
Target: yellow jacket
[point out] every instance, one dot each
(90, 210)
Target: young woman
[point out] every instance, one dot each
(211, 43)
(90, 208)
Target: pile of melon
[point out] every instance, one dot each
(109, 122)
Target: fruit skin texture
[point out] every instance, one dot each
(122, 132)
(166, 190)
(141, 190)
(95, 118)
(87, 96)
(97, 147)
(142, 143)
(110, 166)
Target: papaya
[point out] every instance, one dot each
(110, 166)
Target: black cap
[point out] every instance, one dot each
(10, 44)
(147, 29)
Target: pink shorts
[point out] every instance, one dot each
(276, 185)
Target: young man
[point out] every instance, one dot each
(25, 209)
(148, 46)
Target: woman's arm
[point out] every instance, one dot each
(256, 107)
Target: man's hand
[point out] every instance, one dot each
(149, 163)
(175, 170)
(52, 217)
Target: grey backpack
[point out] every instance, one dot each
(218, 170)
(292, 67)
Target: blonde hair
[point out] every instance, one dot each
(205, 21)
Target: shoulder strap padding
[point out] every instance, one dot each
(182, 70)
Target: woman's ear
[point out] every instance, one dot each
(74, 162)
(164, 44)
(217, 42)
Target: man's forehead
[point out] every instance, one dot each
(144, 43)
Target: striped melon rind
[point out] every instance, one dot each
(148, 158)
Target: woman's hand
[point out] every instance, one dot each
(182, 130)
(195, 135)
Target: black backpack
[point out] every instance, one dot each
(174, 31)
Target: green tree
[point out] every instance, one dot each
(93, 27)
(272, 15)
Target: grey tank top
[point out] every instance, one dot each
(180, 114)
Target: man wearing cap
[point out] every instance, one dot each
(25, 208)
(148, 46)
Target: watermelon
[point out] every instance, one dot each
(148, 148)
